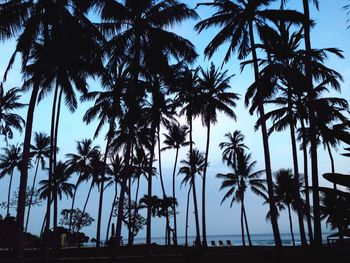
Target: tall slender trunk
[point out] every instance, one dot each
(204, 229)
(149, 190)
(9, 194)
(291, 224)
(100, 205)
(310, 95)
(31, 194)
(332, 162)
(162, 183)
(242, 225)
(54, 192)
(268, 170)
(50, 176)
(296, 172)
(174, 196)
(136, 210)
(187, 210)
(73, 201)
(88, 196)
(306, 179)
(112, 209)
(123, 179)
(129, 212)
(246, 223)
(193, 181)
(24, 174)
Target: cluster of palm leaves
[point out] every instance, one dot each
(147, 81)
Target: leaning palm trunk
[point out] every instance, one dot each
(31, 194)
(99, 218)
(291, 224)
(174, 196)
(242, 225)
(310, 96)
(306, 179)
(193, 181)
(9, 194)
(88, 197)
(112, 209)
(332, 162)
(129, 212)
(272, 205)
(246, 222)
(296, 174)
(204, 230)
(73, 201)
(187, 210)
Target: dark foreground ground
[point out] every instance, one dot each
(163, 254)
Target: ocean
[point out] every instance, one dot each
(236, 240)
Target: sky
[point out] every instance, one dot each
(330, 31)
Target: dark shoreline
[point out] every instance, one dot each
(186, 255)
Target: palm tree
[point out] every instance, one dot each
(10, 159)
(233, 145)
(8, 119)
(286, 189)
(213, 86)
(63, 187)
(191, 166)
(175, 139)
(237, 182)
(78, 162)
(39, 151)
(237, 20)
(37, 25)
(142, 37)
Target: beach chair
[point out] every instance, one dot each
(228, 242)
(213, 244)
(221, 244)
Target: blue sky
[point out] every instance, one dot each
(330, 31)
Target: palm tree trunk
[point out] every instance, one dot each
(31, 194)
(296, 173)
(246, 223)
(111, 213)
(332, 162)
(291, 224)
(122, 192)
(43, 225)
(129, 212)
(306, 179)
(242, 225)
(9, 194)
(174, 196)
(55, 161)
(310, 95)
(161, 179)
(204, 229)
(193, 181)
(268, 170)
(187, 210)
(149, 190)
(99, 218)
(24, 174)
(73, 201)
(88, 196)
(51, 170)
(136, 204)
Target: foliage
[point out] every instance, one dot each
(79, 219)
